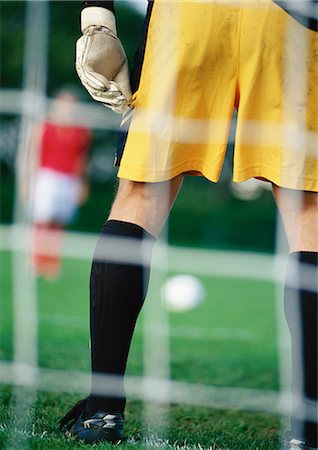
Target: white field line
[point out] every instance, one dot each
(157, 442)
(149, 441)
(145, 442)
(176, 331)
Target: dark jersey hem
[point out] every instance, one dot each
(104, 4)
(305, 12)
(134, 81)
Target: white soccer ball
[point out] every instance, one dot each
(182, 293)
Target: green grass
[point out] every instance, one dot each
(229, 341)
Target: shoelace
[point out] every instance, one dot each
(103, 422)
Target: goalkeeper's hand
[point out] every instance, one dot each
(101, 62)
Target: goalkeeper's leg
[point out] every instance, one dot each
(299, 211)
(117, 290)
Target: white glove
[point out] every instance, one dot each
(101, 62)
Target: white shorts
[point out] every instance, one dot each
(56, 197)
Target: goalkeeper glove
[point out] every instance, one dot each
(101, 62)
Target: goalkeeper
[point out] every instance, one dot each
(198, 61)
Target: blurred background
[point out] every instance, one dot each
(205, 215)
(228, 341)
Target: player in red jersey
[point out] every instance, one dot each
(60, 162)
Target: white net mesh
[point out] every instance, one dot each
(171, 349)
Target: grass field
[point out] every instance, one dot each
(229, 341)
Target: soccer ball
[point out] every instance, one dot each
(182, 293)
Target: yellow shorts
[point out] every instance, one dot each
(202, 60)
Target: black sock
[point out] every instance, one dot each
(117, 292)
(301, 298)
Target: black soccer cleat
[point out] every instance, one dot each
(295, 444)
(101, 426)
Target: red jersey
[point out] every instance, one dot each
(63, 148)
